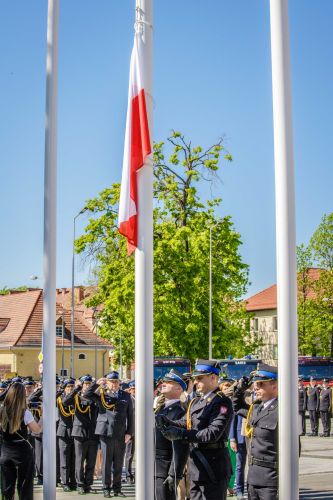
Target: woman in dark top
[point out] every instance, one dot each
(17, 461)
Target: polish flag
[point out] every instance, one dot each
(137, 147)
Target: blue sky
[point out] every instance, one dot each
(212, 78)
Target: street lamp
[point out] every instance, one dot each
(62, 344)
(210, 345)
(72, 314)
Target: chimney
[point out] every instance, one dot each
(78, 294)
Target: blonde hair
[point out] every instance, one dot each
(13, 408)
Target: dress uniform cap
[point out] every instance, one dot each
(3, 385)
(206, 367)
(69, 381)
(124, 386)
(86, 378)
(113, 376)
(131, 384)
(226, 379)
(265, 372)
(28, 382)
(58, 381)
(16, 379)
(172, 376)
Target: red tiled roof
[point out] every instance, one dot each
(25, 313)
(17, 307)
(267, 299)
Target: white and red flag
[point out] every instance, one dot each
(137, 146)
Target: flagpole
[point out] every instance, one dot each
(286, 252)
(144, 416)
(49, 297)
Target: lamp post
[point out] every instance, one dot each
(210, 326)
(210, 348)
(95, 316)
(73, 296)
(121, 356)
(62, 345)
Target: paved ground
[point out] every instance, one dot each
(315, 480)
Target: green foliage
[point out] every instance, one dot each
(315, 297)
(181, 260)
(6, 291)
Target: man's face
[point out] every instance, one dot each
(132, 391)
(225, 386)
(325, 385)
(29, 389)
(206, 383)
(313, 383)
(300, 384)
(266, 390)
(171, 390)
(113, 384)
(85, 386)
(2, 391)
(69, 388)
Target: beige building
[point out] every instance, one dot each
(264, 324)
(21, 321)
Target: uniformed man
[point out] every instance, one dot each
(83, 433)
(313, 406)
(34, 400)
(325, 408)
(115, 426)
(262, 479)
(170, 458)
(130, 446)
(66, 443)
(206, 428)
(302, 404)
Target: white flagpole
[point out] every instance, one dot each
(144, 416)
(50, 226)
(286, 252)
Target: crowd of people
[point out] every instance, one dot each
(207, 429)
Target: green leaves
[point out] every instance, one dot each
(181, 260)
(315, 291)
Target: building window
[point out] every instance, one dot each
(82, 356)
(275, 351)
(59, 330)
(275, 323)
(63, 372)
(255, 324)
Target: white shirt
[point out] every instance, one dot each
(267, 403)
(28, 417)
(208, 394)
(169, 402)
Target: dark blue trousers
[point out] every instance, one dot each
(240, 468)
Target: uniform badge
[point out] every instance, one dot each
(223, 410)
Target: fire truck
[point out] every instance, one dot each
(318, 367)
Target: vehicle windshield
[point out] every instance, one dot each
(236, 371)
(317, 372)
(159, 371)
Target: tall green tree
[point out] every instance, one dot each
(306, 310)
(315, 297)
(182, 220)
(321, 244)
